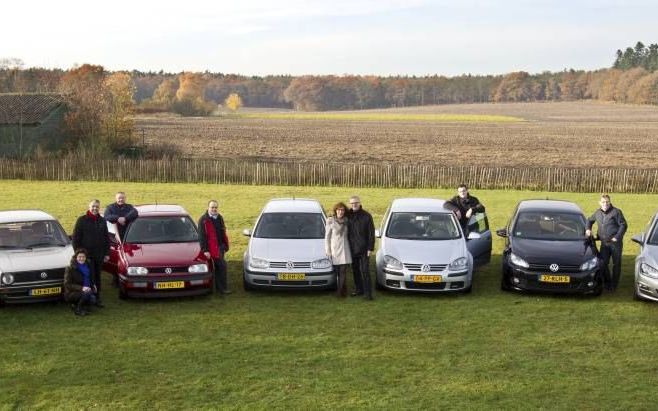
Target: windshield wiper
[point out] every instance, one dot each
(45, 245)
(9, 247)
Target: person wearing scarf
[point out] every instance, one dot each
(214, 244)
(337, 246)
(79, 287)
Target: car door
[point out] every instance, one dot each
(111, 266)
(480, 248)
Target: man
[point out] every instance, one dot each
(361, 236)
(611, 226)
(120, 213)
(464, 205)
(214, 244)
(90, 233)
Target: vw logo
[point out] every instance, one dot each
(554, 267)
(44, 275)
(290, 265)
(425, 268)
(167, 270)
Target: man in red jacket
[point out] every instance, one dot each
(214, 243)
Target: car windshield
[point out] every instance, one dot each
(290, 225)
(32, 234)
(653, 238)
(422, 226)
(549, 225)
(152, 230)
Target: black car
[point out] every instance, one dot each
(546, 250)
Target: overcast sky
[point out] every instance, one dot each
(384, 37)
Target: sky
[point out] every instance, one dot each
(379, 37)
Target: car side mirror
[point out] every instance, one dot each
(639, 238)
(378, 234)
(502, 232)
(246, 232)
(473, 236)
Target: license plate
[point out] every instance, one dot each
(36, 292)
(547, 278)
(169, 284)
(291, 276)
(428, 278)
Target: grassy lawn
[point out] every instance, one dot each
(310, 350)
(380, 116)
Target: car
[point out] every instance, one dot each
(159, 256)
(423, 247)
(34, 252)
(286, 247)
(646, 263)
(546, 250)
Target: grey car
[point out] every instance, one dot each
(286, 248)
(423, 247)
(646, 263)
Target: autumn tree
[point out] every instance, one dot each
(118, 121)
(190, 96)
(233, 102)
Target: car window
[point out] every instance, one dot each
(32, 234)
(290, 225)
(653, 238)
(422, 226)
(549, 225)
(478, 223)
(151, 230)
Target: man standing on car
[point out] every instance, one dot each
(120, 213)
(611, 226)
(90, 233)
(214, 244)
(464, 206)
(361, 236)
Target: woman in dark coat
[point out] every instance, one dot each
(79, 287)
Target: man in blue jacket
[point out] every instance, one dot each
(120, 213)
(611, 226)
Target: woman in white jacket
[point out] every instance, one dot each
(337, 247)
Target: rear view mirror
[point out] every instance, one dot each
(638, 238)
(473, 236)
(502, 232)
(378, 234)
(246, 232)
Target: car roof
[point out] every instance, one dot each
(19, 216)
(419, 205)
(549, 205)
(287, 205)
(160, 210)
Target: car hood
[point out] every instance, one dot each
(425, 252)
(173, 254)
(650, 253)
(549, 252)
(45, 258)
(273, 249)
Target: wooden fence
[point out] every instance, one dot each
(332, 174)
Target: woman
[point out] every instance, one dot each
(337, 246)
(79, 287)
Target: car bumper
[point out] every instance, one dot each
(406, 281)
(183, 286)
(314, 280)
(26, 292)
(586, 282)
(647, 288)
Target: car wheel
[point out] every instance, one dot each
(122, 293)
(598, 290)
(246, 285)
(469, 289)
(503, 284)
(379, 287)
(636, 295)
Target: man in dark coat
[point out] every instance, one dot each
(611, 226)
(464, 206)
(90, 233)
(361, 236)
(214, 244)
(120, 213)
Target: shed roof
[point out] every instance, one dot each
(27, 108)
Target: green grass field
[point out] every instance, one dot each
(381, 116)
(311, 350)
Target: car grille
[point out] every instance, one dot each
(422, 286)
(30, 276)
(418, 267)
(295, 264)
(545, 268)
(161, 270)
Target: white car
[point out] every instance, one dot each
(646, 263)
(34, 252)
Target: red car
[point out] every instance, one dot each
(159, 255)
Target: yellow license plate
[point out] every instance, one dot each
(36, 292)
(547, 278)
(169, 284)
(428, 278)
(291, 276)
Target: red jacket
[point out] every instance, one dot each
(212, 235)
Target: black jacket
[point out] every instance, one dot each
(463, 205)
(361, 232)
(114, 211)
(73, 282)
(610, 224)
(220, 231)
(91, 234)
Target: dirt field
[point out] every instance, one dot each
(573, 134)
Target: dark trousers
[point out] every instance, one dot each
(610, 249)
(341, 283)
(221, 283)
(96, 263)
(361, 271)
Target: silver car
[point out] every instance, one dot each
(286, 248)
(423, 247)
(646, 263)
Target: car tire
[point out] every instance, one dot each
(246, 285)
(503, 284)
(122, 293)
(598, 290)
(469, 289)
(636, 296)
(378, 286)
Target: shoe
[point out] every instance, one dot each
(80, 312)
(226, 292)
(355, 293)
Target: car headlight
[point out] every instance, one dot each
(648, 271)
(137, 271)
(458, 264)
(516, 260)
(321, 263)
(258, 263)
(589, 264)
(7, 278)
(198, 268)
(392, 262)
